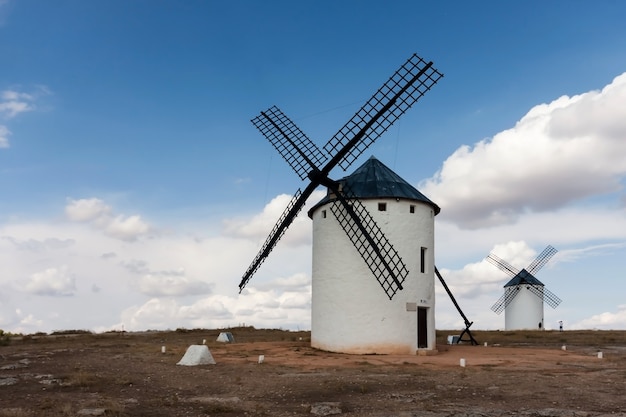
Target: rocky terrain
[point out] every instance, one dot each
(129, 374)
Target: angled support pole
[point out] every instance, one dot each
(468, 323)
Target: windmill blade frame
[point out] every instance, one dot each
(292, 144)
(546, 295)
(502, 264)
(289, 215)
(390, 102)
(380, 256)
(503, 302)
(541, 260)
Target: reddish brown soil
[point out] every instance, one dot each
(128, 375)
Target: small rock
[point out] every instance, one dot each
(326, 408)
(91, 412)
(8, 381)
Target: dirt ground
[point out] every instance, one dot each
(127, 374)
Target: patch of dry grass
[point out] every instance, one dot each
(543, 337)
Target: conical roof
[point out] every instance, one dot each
(523, 277)
(374, 179)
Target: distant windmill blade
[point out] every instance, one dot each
(498, 306)
(546, 295)
(288, 216)
(367, 237)
(550, 298)
(294, 146)
(509, 294)
(541, 260)
(502, 264)
(407, 85)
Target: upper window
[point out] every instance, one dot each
(382, 206)
(412, 208)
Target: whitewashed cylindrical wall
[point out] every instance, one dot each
(525, 311)
(351, 313)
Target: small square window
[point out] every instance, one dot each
(411, 208)
(323, 214)
(382, 206)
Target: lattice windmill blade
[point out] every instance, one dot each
(541, 260)
(502, 264)
(375, 249)
(395, 97)
(407, 85)
(550, 298)
(498, 306)
(546, 295)
(285, 220)
(294, 146)
(505, 300)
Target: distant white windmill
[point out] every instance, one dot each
(524, 295)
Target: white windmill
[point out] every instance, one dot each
(524, 295)
(349, 313)
(372, 230)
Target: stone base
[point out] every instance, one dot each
(427, 352)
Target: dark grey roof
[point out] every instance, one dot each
(375, 180)
(523, 277)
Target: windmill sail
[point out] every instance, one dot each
(502, 264)
(407, 85)
(292, 144)
(546, 295)
(375, 249)
(541, 260)
(285, 220)
(505, 300)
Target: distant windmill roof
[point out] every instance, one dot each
(374, 179)
(523, 277)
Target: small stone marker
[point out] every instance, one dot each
(197, 355)
(462, 362)
(261, 358)
(225, 337)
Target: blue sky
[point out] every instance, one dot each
(134, 191)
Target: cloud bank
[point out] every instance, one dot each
(559, 153)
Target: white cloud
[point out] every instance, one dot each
(171, 285)
(4, 137)
(126, 228)
(604, 321)
(39, 245)
(191, 280)
(51, 282)
(100, 215)
(86, 210)
(474, 280)
(259, 226)
(13, 103)
(565, 151)
(153, 315)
